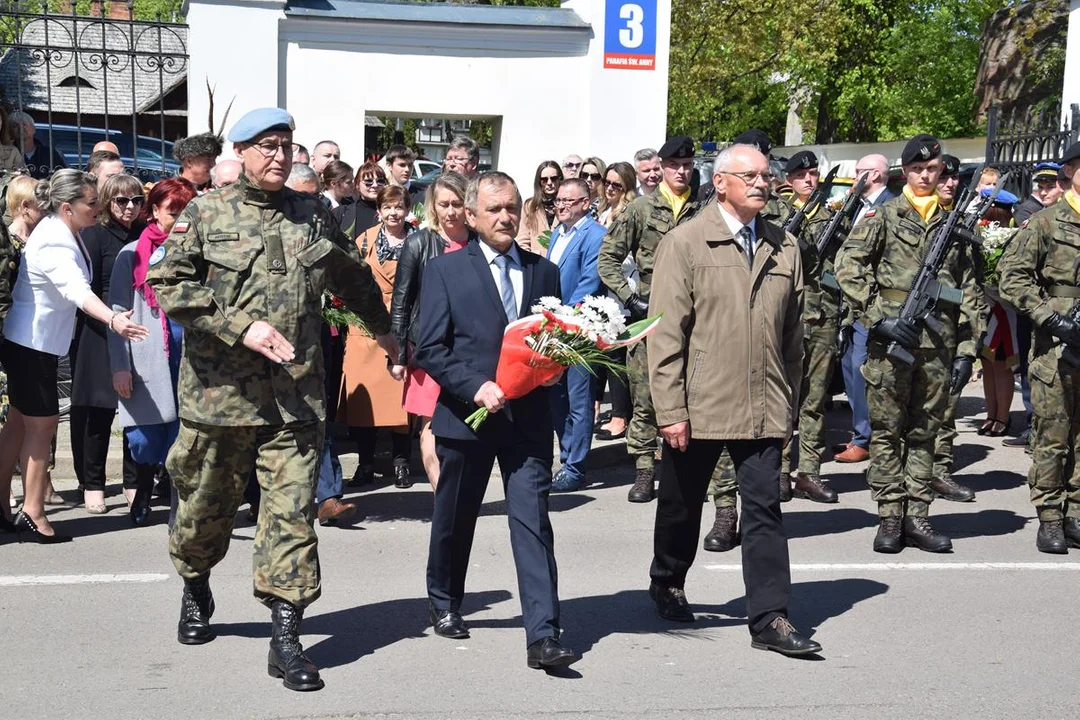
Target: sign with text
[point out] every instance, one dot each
(630, 35)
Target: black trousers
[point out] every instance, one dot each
(464, 468)
(91, 430)
(684, 480)
(616, 385)
(365, 437)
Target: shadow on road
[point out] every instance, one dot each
(988, 523)
(994, 480)
(829, 522)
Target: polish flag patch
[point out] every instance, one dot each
(181, 226)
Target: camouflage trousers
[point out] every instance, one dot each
(946, 437)
(641, 434)
(819, 361)
(907, 404)
(1054, 477)
(210, 466)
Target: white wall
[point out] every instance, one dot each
(1070, 91)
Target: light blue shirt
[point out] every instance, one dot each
(517, 279)
(564, 239)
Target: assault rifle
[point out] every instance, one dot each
(817, 199)
(835, 232)
(926, 291)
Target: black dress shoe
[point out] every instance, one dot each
(671, 603)
(6, 526)
(287, 659)
(644, 488)
(948, 489)
(1071, 527)
(447, 623)
(725, 531)
(812, 487)
(890, 535)
(782, 637)
(27, 531)
(196, 609)
(550, 653)
(401, 476)
(1051, 538)
(919, 532)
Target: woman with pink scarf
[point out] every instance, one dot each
(145, 374)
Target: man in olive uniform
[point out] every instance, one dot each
(942, 482)
(875, 269)
(1040, 278)
(244, 271)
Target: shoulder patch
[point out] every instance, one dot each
(181, 226)
(157, 256)
(870, 213)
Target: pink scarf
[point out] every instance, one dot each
(150, 240)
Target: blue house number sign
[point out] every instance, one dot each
(630, 35)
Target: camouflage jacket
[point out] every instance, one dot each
(638, 232)
(242, 254)
(821, 306)
(877, 264)
(1040, 268)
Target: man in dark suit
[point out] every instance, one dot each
(466, 302)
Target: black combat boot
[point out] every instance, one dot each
(643, 490)
(1051, 538)
(724, 534)
(785, 487)
(948, 489)
(196, 608)
(287, 659)
(812, 487)
(919, 532)
(1071, 527)
(890, 536)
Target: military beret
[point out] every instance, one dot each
(203, 145)
(1004, 197)
(1046, 171)
(803, 160)
(757, 138)
(256, 122)
(679, 147)
(1071, 153)
(920, 149)
(950, 165)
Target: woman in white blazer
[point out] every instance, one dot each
(53, 282)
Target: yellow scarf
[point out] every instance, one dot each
(1074, 201)
(799, 204)
(925, 206)
(677, 202)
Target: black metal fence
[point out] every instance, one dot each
(1017, 143)
(81, 80)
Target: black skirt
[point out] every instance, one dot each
(32, 379)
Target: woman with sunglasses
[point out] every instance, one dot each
(357, 217)
(538, 212)
(93, 400)
(620, 183)
(593, 171)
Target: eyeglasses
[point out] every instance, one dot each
(571, 165)
(125, 201)
(372, 183)
(751, 177)
(569, 201)
(614, 184)
(270, 149)
(549, 178)
(860, 171)
(595, 177)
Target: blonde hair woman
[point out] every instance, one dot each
(619, 190)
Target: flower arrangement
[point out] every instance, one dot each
(335, 314)
(994, 238)
(539, 347)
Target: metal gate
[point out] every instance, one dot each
(1017, 143)
(84, 79)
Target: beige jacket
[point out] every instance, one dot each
(727, 355)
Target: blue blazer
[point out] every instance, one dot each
(577, 266)
(461, 330)
(884, 197)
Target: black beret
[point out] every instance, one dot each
(757, 138)
(950, 165)
(803, 160)
(1071, 153)
(679, 147)
(920, 149)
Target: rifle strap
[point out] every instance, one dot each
(898, 296)
(1064, 291)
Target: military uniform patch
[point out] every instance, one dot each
(869, 213)
(1025, 223)
(181, 226)
(157, 256)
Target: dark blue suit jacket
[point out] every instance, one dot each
(461, 330)
(885, 196)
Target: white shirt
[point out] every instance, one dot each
(735, 225)
(868, 200)
(517, 278)
(54, 280)
(564, 239)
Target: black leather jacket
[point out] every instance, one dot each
(420, 247)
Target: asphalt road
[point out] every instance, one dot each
(987, 632)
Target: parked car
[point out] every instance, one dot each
(422, 168)
(155, 160)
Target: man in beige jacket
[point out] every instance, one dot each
(725, 366)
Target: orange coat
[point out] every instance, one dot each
(369, 396)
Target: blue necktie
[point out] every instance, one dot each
(506, 288)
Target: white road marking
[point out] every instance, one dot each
(943, 566)
(21, 580)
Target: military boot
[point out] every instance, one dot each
(287, 659)
(785, 487)
(946, 488)
(812, 487)
(643, 490)
(1051, 538)
(919, 532)
(1072, 531)
(889, 538)
(724, 534)
(196, 608)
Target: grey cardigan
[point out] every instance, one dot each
(152, 398)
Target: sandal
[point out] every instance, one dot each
(987, 426)
(1003, 424)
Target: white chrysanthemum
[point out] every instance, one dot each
(548, 302)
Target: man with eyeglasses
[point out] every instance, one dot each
(196, 155)
(875, 269)
(637, 233)
(244, 270)
(571, 166)
(647, 167)
(575, 245)
(462, 157)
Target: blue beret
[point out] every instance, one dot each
(256, 122)
(1003, 198)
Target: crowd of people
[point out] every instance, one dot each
(229, 313)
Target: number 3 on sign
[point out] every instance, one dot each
(633, 34)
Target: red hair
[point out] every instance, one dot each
(175, 192)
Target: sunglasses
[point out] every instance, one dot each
(549, 178)
(372, 183)
(571, 165)
(614, 184)
(595, 177)
(125, 201)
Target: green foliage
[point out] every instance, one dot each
(388, 135)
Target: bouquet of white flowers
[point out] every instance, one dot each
(994, 238)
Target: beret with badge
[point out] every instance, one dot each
(803, 160)
(256, 122)
(679, 147)
(950, 165)
(755, 137)
(920, 148)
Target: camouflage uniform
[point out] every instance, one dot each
(1040, 275)
(875, 268)
(236, 256)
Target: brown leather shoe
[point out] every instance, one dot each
(333, 511)
(812, 487)
(854, 454)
